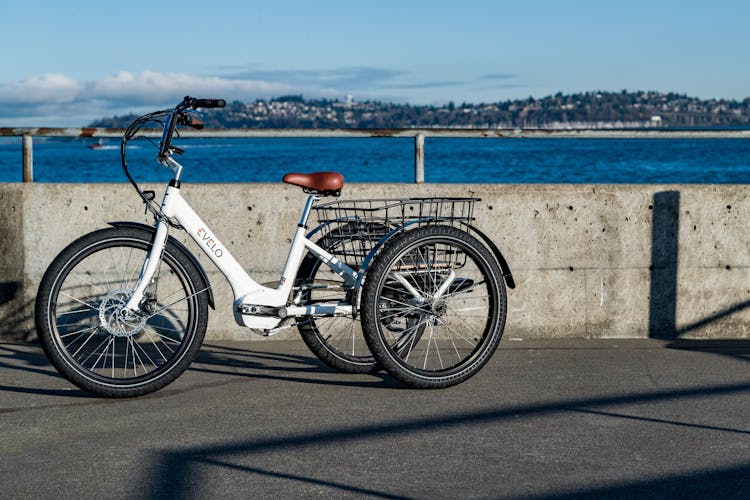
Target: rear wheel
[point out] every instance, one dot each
(88, 336)
(337, 341)
(434, 307)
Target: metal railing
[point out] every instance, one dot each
(419, 135)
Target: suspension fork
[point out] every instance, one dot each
(150, 265)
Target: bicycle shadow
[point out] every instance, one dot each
(229, 362)
(273, 365)
(29, 358)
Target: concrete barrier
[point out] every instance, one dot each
(593, 261)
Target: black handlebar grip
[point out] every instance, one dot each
(209, 103)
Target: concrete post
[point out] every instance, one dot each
(419, 158)
(28, 158)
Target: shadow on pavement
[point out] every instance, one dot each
(171, 470)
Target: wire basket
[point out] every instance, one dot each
(351, 228)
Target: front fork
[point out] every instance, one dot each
(150, 266)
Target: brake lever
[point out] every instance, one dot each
(195, 122)
(191, 121)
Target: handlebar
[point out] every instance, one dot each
(208, 103)
(180, 116)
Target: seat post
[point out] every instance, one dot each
(311, 199)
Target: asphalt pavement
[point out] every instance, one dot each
(544, 419)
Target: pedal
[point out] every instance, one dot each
(284, 325)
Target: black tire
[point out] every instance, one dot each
(336, 341)
(79, 328)
(424, 337)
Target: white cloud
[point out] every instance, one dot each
(149, 87)
(46, 89)
(58, 98)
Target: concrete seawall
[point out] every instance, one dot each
(594, 261)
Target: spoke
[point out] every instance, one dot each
(155, 327)
(136, 355)
(463, 294)
(77, 331)
(136, 345)
(455, 348)
(125, 364)
(398, 302)
(427, 354)
(437, 348)
(416, 275)
(103, 270)
(122, 277)
(454, 331)
(387, 286)
(114, 344)
(65, 325)
(397, 313)
(75, 311)
(156, 346)
(82, 345)
(393, 311)
(399, 307)
(164, 337)
(429, 269)
(469, 308)
(395, 304)
(173, 309)
(94, 351)
(179, 290)
(127, 280)
(412, 340)
(466, 292)
(464, 317)
(93, 308)
(88, 282)
(178, 301)
(102, 355)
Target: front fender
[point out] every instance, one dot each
(181, 247)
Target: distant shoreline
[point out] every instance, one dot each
(589, 110)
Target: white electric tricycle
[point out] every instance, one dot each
(397, 284)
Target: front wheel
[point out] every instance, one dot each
(97, 345)
(434, 307)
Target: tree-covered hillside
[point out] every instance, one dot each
(585, 110)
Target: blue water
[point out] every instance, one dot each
(392, 160)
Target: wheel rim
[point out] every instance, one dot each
(437, 306)
(93, 335)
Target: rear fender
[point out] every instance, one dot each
(498, 255)
(507, 275)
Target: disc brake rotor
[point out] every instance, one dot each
(115, 319)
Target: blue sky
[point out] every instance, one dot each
(67, 62)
